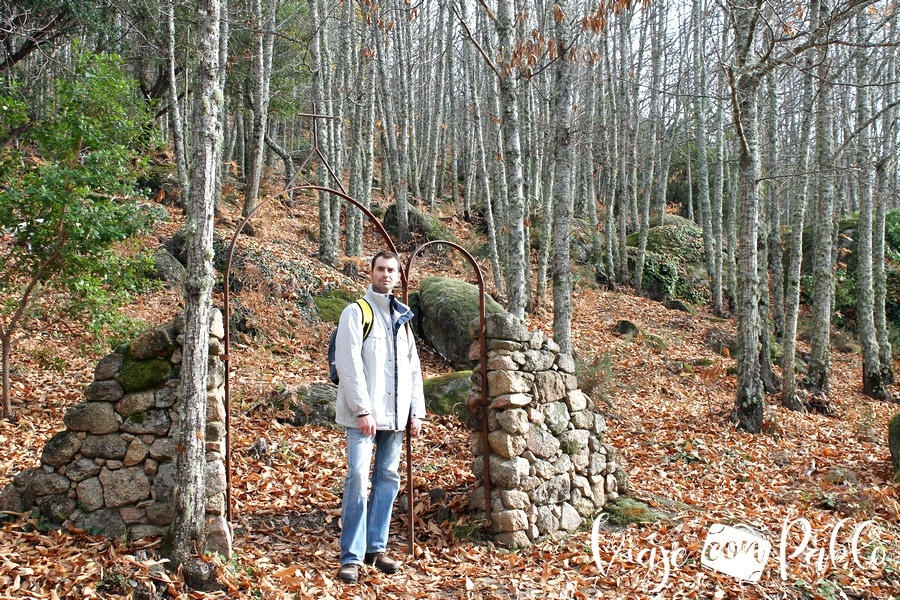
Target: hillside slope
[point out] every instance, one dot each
(666, 395)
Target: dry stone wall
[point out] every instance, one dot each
(112, 470)
(550, 469)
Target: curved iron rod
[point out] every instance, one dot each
(227, 306)
(482, 334)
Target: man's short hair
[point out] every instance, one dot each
(385, 254)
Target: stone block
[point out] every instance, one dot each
(515, 499)
(160, 513)
(154, 343)
(137, 452)
(124, 486)
(505, 444)
(505, 326)
(537, 360)
(565, 363)
(109, 446)
(43, 483)
(98, 418)
(219, 537)
(511, 520)
(90, 494)
(60, 449)
(583, 419)
(106, 521)
(548, 387)
(143, 530)
(508, 473)
(577, 401)
(510, 400)
(58, 508)
(553, 491)
(216, 324)
(514, 421)
(541, 443)
(215, 478)
(153, 421)
(136, 402)
(163, 449)
(103, 391)
(556, 415)
(501, 362)
(570, 520)
(507, 382)
(108, 367)
(574, 441)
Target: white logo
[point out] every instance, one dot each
(739, 552)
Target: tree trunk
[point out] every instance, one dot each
(873, 386)
(566, 99)
(775, 242)
(512, 154)
(188, 528)
(789, 397)
(262, 73)
(823, 260)
(6, 349)
(748, 411)
(699, 119)
(328, 246)
(175, 109)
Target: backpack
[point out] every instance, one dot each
(367, 317)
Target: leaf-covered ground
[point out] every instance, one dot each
(818, 488)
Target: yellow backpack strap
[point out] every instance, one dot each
(367, 316)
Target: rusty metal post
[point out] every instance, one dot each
(485, 404)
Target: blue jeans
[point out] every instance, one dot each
(365, 523)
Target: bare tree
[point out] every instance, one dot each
(189, 526)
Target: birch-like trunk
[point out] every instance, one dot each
(328, 245)
(517, 261)
(564, 159)
(823, 246)
(262, 73)
(749, 404)
(873, 386)
(175, 108)
(188, 528)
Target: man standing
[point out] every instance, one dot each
(380, 389)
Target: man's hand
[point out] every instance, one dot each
(366, 425)
(415, 427)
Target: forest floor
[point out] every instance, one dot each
(818, 488)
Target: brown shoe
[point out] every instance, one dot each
(349, 573)
(382, 562)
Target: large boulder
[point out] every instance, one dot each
(674, 265)
(422, 226)
(446, 308)
(446, 394)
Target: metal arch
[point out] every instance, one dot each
(226, 358)
(482, 330)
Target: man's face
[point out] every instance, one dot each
(385, 274)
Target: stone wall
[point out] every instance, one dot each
(112, 470)
(550, 469)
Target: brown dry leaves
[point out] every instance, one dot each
(668, 420)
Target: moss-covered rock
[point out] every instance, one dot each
(894, 443)
(448, 306)
(421, 225)
(624, 510)
(330, 304)
(138, 375)
(446, 394)
(674, 264)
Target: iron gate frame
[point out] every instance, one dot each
(404, 276)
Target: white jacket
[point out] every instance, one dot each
(380, 376)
